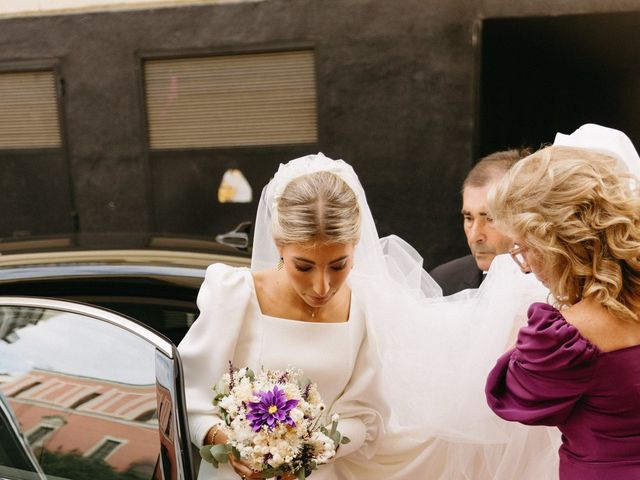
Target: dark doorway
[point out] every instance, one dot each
(545, 75)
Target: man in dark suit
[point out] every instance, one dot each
(484, 241)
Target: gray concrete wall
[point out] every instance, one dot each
(397, 97)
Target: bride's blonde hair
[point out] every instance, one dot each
(317, 207)
(581, 215)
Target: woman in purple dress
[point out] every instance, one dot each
(575, 219)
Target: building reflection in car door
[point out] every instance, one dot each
(84, 393)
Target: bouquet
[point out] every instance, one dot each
(273, 422)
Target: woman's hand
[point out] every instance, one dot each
(241, 468)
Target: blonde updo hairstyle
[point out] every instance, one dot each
(581, 215)
(317, 207)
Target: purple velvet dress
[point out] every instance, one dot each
(555, 376)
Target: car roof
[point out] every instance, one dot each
(126, 252)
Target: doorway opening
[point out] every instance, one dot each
(543, 75)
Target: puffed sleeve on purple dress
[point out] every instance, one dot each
(554, 376)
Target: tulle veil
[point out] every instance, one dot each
(436, 351)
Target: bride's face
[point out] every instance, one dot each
(317, 271)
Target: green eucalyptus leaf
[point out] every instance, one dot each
(205, 453)
(334, 429)
(221, 453)
(215, 454)
(221, 457)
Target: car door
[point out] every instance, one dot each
(93, 395)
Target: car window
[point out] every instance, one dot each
(93, 393)
(166, 304)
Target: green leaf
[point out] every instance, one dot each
(205, 453)
(334, 428)
(221, 453)
(345, 440)
(215, 454)
(301, 474)
(271, 472)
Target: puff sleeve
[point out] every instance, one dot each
(542, 378)
(223, 301)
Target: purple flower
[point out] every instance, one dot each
(272, 408)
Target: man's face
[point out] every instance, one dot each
(484, 241)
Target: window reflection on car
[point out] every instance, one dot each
(95, 395)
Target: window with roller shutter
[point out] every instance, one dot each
(231, 100)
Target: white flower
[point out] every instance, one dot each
(223, 384)
(228, 403)
(296, 415)
(323, 447)
(276, 460)
(244, 390)
(292, 391)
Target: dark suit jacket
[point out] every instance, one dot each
(458, 274)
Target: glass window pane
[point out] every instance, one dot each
(83, 392)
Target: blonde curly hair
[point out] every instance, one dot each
(580, 215)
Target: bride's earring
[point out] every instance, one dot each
(280, 264)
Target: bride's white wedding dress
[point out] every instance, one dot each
(338, 357)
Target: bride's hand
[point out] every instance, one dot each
(242, 469)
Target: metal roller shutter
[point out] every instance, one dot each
(231, 100)
(28, 111)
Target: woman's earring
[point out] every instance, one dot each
(280, 264)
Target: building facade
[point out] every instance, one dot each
(126, 120)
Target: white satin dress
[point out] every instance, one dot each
(337, 356)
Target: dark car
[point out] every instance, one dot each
(155, 281)
(96, 387)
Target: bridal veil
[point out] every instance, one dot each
(437, 351)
